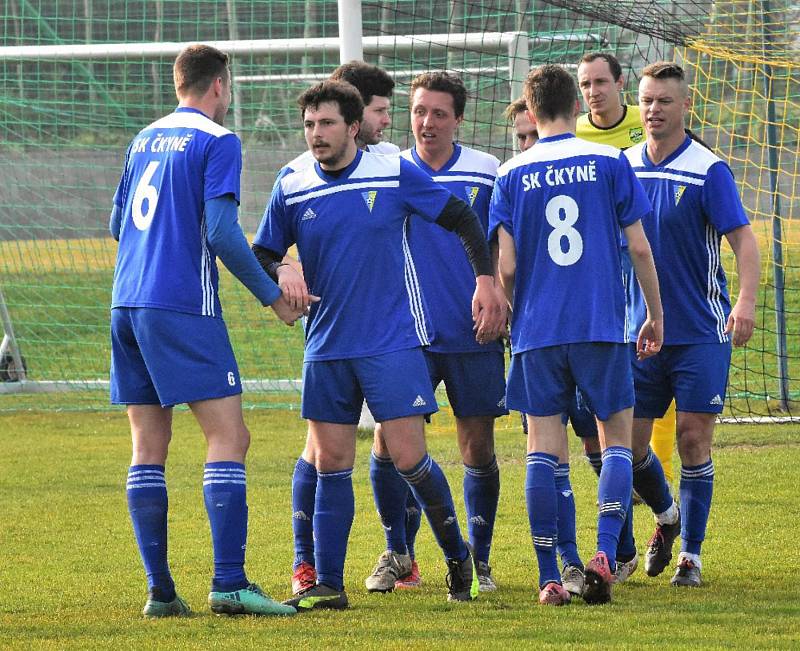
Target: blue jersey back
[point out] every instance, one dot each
(172, 168)
(695, 202)
(564, 202)
(350, 235)
(445, 274)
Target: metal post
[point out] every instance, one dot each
(233, 35)
(350, 31)
(9, 342)
(518, 62)
(777, 229)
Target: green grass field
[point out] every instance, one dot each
(71, 576)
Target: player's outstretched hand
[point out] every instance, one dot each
(294, 287)
(285, 311)
(489, 310)
(651, 338)
(741, 322)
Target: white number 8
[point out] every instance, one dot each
(563, 228)
(145, 192)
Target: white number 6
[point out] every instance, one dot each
(145, 192)
(563, 228)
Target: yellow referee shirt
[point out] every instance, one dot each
(625, 133)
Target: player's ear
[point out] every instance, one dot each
(354, 128)
(576, 110)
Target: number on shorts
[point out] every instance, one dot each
(145, 192)
(563, 228)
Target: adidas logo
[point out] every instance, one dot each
(449, 521)
(419, 402)
(716, 400)
(502, 402)
(308, 214)
(387, 527)
(300, 515)
(478, 519)
(566, 493)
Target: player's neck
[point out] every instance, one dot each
(207, 108)
(558, 127)
(608, 118)
(435, 159)
(661, 149)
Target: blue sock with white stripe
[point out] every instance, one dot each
(225, 494)
(304, 491)
(614, 496)
(413, 521)
(481, 495)
(391, 493)
(650, 483)
(626, 549)
(540, 497)
(430, 488)
(567, 539)
(697, 488)
(333, 517)
(147, 504)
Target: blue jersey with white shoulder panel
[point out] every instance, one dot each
(172, 167)
(695, 201)
(564, 201)
(445, 274)
(350, 235)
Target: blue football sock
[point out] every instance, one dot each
(697, 488)
(481, 495)
(595, 460)
(333, 517)
(304, 491)
(391, 493)
(626, 549)
(430, 488)
(413, 521)
(650, 483)
(147, 504)
(540, 496)
(225, 493)
(614, 496)
(567, 543)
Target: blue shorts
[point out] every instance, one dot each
(581, 415)
(541, 382)
(394, 385)
(696, 375)
(161, 357)
(475, 382)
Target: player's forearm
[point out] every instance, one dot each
(229, 243)
(645, 270)
(459, 218)
(115, 222)
(748, 262)
(506, 263)
(269, 260)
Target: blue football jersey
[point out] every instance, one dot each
(172, 168)
(695, 202)
(443, 268)
(564, 201)
(350, 235)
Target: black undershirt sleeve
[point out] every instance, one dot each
(458, 217)
(269, 260)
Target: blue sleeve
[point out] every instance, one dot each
(630, 199)
(420, 193)
(115, 222)
(721, 202)
(276, 231)
(119, 195)
(500, 210)
(223, 169)
(229, 243)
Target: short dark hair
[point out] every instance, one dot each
(610, 59)
(550, 92)
(196, 67)
(368, 79)
(351, 106)
(444, 82)
(667, 70)
(516, 107)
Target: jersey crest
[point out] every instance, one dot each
(636, 134)
(472, 193)
(369, 198)
(679, 193)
